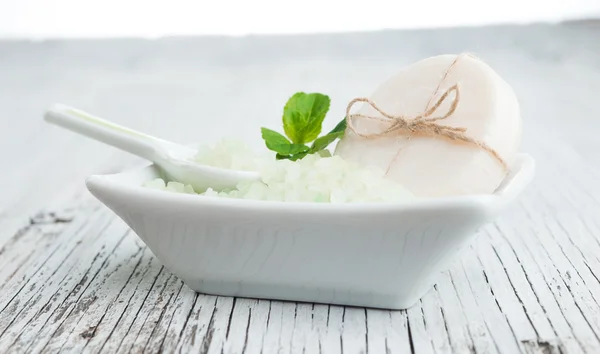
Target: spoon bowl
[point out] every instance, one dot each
(175, 160)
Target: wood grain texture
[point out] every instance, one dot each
(75, 279)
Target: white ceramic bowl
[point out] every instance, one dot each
(373, 255)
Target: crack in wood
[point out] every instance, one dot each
(468, 281)
(556, 300)
(572, 295)
(516, 292)
(247, 330)
(79, 307)
(113, 303)
(89, 333)
(161, 287)
(445, 322)
(158, 321)
(491, 290)
(44, 218)
(410, 337)
(140, 308)
(366, 332)
(162, 342)
(127, 305)
(207, 340)
(542, 346)
(468, 329)
(187, 318)
(230, 317)
(526, 275)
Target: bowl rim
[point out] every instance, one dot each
(511, 187)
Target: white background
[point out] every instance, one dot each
(153, 18)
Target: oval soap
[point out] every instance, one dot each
(430, 165)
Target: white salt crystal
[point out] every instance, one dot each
(312, 179)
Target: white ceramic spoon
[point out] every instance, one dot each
(173, 159)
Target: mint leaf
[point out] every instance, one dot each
(324, 153)
(280, 144)
(273, 137)
(340, 127)
(303, 116)
(298, 156)
(324, 141)
(291, 157)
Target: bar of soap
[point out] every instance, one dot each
(430, 165)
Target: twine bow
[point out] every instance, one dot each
(424, 123)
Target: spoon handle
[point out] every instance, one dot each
(102, 130)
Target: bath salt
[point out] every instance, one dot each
(170, 186)
(231, 154)
(428, 160)
(315, 178)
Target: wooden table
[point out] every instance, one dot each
(74, 278)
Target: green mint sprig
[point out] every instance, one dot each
(303, 117)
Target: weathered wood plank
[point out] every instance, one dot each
(239, 323)
(141, 328)
(58, 277)
(538, 315)
(354, 330)
(195, 337)
(116, 323)
(111, 284)
(388, 332)
(303, 328)
(436, 325)
(455, 320)
(219, 326)
(70, 298)
(151, 336)
(332, 343)
(186, 299)
(507, 301)
(419, 337)
(562, 294)
(561, 323)
(478, 280)
(256, 328)
(480, 333)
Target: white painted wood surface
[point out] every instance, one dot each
(73, 278)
